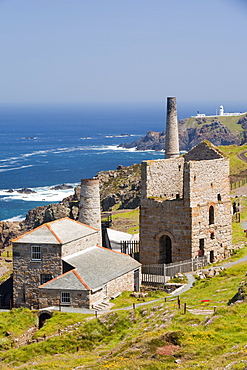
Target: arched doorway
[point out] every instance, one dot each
(165, 249)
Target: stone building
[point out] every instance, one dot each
(62, 262)
(185, 205)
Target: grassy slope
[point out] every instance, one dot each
(236, 164)
(152, 337)
(230, 122)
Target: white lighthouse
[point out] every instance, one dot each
(221, 111)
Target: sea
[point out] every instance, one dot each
(47, 145)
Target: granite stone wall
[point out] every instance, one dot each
(176, 198)
(81, 244)
(27, 272)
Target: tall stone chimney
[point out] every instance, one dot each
(89, 208)
(172, 143)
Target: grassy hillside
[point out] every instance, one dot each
(238, 168)
(210, 335)
(230, 122)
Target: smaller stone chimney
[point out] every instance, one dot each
(89, 208)
(172, 143)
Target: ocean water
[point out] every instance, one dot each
(41, 147)
(44, 146)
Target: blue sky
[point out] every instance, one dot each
(79, 51)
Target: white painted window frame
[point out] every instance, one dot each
(36, 253)
(65, 298)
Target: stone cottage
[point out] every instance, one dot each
(61, 262)
(185, 204)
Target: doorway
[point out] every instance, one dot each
(165, 249)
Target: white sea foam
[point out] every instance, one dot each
(42, 194)
(16, 218)
(14, 168)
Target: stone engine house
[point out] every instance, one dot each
(185, 206)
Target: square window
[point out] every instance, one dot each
(45, 277)
(36, 253)
(65, 297)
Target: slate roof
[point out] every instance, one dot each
(60, 231)
(93, 267)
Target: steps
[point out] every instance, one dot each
(102, 306)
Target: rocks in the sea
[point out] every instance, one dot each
(62, 187)
(26, 191)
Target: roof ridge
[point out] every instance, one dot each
(53, 233)
(27, 232)
(112, 250)
(56, 278)
(80, 278)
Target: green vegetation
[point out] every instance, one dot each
(159, 335)
(231, 122)
(125, 300)
(127, 221)
(13, 324)
(236, 164)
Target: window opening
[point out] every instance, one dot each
(211, 256)
(219, 197)
(201, 248)
(211, 215)
(36, 252)
(212, 235)
(45, 277)
(65, 297)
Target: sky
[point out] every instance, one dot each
(89, 51)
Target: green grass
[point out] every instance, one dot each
(236, 164)
(125, 300)
(137, 339)
(13, 324)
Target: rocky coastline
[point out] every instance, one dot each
(192, 131)
(119, 188)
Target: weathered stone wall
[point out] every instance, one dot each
(26, 272)
(118, 285)
(201, 184)
(162, 178)
(158, 218)
(48, 297)
(203, 151)
(80, 244)
(207, 184)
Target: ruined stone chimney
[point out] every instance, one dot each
(171, 143)
(89, 209)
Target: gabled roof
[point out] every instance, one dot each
(71, 280)
(60, 231)
(205, 150)
(95, 266)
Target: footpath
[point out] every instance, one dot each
(177, 292)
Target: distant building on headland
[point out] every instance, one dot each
(222, 113)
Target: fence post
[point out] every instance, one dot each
(185, 308)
